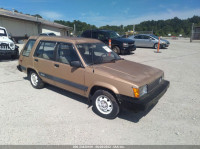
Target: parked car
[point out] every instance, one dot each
(149, 40)
(7, 46)
(47, 34)
(118, 45)
(90, 68)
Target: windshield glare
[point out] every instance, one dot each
(3, 32)
(96, 53)
(154, 36)
(113, 35)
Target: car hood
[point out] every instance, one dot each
(165, 40)
(123, 40)
(131, 72)
(5, 39)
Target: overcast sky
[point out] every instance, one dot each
(103, 12)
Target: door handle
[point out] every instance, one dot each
(36, 60)
(56, 65)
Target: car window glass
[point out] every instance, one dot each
(95, 35)
(86, 34)
(28, 47)
(139, 37)
(66, 53)
(146, 37)
(96, 53)
(101, 36)
(3, 32)
(45, 50)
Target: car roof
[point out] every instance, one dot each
(145, 34)
(103, 30)
(74, 40)
(2, 27)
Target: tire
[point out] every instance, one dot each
(110, 107)
(35, 80)
(155, 46)
(116, 49)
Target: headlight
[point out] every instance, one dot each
(12, 45)
(140, 92)
(125, 44)
(161, 78)
(143, 90)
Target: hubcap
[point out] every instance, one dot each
(34, 79)
(104, 104)
(115, 50)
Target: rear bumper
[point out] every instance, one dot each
(21, 68)
(146, 101)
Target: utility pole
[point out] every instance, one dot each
(192, 32)
(74, 29)
(133, 28)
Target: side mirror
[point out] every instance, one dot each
(76, 64)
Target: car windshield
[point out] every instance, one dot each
(112, 34)
(3, 32)
(97, 53)
(154, 36)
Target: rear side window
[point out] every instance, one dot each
(28, 47)
(45, 50)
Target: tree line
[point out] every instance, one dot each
(173, 26)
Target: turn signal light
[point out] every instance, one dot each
(136, 92)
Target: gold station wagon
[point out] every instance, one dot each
(90, 68)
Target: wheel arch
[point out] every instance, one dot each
(111, 90)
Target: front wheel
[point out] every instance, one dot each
(116, 49)
(155, 46)
(105, 104)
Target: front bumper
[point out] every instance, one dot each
(164, 45)
(131, 48)
(143, 103)
(7, 52)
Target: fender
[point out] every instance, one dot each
(104, 85)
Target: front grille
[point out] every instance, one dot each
(131, 44)
(153, 85)
(4, 46)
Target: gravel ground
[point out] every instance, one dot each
(54, 116)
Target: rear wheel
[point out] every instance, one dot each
(105, 104)
(35, 80)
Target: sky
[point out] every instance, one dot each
(106, 12)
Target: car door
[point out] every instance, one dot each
(44, 61)
(146, 42)
(66, 76)
(138, 40)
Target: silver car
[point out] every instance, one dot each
(149, 40)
